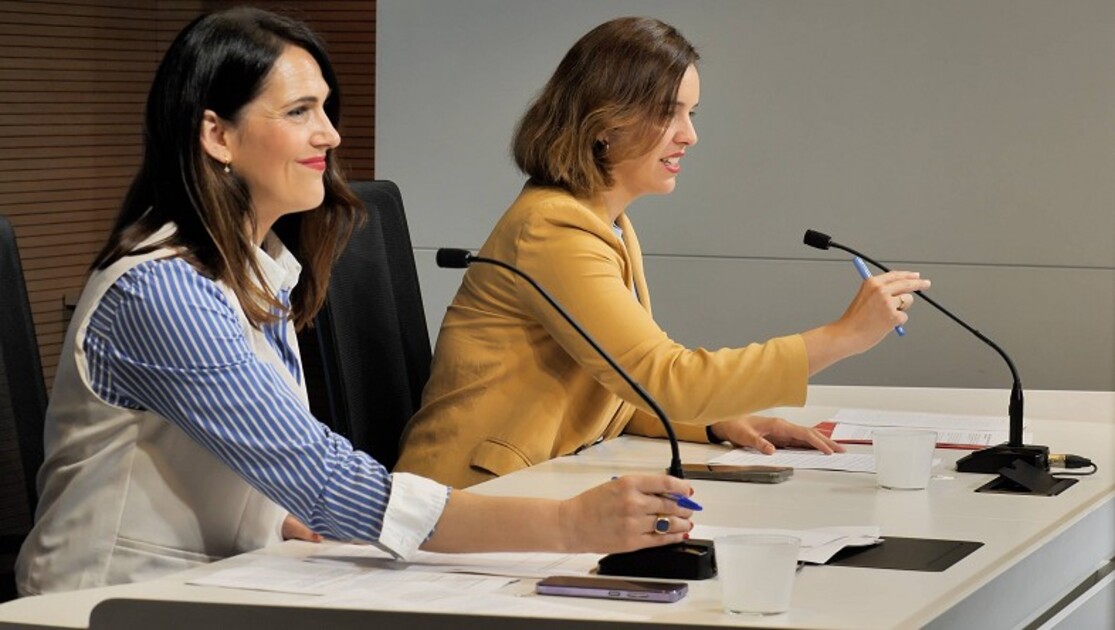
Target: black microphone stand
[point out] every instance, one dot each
(994, 459)
(690, 560)
(675, 456)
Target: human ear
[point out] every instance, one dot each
(216, 137)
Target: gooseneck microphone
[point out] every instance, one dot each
(988, 460)
(450, 258)
(693, 559)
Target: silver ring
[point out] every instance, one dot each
(662, 525)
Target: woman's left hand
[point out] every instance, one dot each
(764, 434)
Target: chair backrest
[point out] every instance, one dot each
(372, 336)
(22, 408)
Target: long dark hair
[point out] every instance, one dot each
(219, 62)
(621, 77)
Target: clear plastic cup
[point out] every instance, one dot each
(756, 572)
(903, 457)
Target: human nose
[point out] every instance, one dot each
(687, 133)
(326, 135)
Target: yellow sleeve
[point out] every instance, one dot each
(573, 254)
(647, 424)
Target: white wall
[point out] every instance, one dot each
(973, 140)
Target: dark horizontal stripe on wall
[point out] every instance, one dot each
(75, 76)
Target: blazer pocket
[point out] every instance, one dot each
(123, 543)
(136, 560)
(498, 457)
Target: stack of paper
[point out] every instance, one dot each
(805, 460)
(519, 564)
(854, 426)
(357, 576)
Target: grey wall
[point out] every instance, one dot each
(973, 140)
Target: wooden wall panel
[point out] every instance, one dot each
(74, 76)
(348, 29)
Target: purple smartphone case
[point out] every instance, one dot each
(603, 590)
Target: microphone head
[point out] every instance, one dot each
(453, 258)
(820, 240)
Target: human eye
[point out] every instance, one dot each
(298, 112)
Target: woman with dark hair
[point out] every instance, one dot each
(178, 430)
(512, 383)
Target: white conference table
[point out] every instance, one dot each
(1045, 562)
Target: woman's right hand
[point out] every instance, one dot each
(879, 305)
(621, 515)
(294, 529)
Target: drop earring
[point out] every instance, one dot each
(228, 166)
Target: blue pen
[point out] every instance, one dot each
(683, 501)
(865, 273)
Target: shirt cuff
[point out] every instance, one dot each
(413, 509)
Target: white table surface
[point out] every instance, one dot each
(1035, 548)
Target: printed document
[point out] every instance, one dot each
(953, 430)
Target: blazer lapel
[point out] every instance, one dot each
(635, 260)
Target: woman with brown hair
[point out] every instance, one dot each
(178, 430)
(512, 384)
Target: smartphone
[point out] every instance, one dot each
(754, 474)
(612, 588)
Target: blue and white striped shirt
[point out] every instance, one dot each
(166, 339)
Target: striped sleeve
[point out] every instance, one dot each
(167, 340)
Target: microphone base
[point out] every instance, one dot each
(1022, 478)
(690, 560)
(993, 459)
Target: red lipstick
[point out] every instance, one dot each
(316, 163)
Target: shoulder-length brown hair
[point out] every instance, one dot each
(620, 79)
(220, 62)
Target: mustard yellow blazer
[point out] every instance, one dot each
(513, 384)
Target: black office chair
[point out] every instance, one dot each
(22, 410)
(372, 337)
